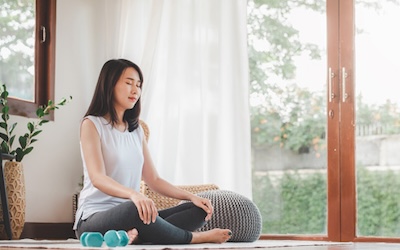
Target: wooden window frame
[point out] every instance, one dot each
(342, 201)
(45, 34)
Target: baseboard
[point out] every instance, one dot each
(49, 231)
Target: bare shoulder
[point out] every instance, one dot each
(88, 128)
(87, 122)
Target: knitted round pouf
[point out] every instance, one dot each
(235, 212)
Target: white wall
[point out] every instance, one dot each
(53, 169)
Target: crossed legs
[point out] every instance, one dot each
(173, 225)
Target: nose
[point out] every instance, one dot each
(135, 89)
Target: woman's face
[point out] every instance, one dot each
(127, 90)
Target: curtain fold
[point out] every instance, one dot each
(193, 54)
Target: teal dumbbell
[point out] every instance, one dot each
(112, 238)
(91, 239)
(115, 238)
(124, 238)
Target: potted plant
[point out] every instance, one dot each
(13, 170)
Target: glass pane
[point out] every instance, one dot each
(287, 57)
(378, 118)
(17, 43)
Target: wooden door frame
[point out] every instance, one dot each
(333, 116)
(347, 121)
(334, 175)
(341, 170)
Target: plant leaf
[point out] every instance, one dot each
(11, 140)
(42, 122)
(4, 116)
(62, 102)
(5, 148)
(27, 139)
(40, 112)
(28, 150)
(22, 141)
(30, 127)
(19, 154)
(12, 128)
(4, 137)
(5, 109)
(4, 93)
(36, 133)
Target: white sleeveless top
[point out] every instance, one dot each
(123, 161)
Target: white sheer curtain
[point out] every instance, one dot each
(193, 54)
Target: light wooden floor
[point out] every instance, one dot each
(355, 246)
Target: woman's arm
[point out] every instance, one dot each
(91, 147)
(161, 186)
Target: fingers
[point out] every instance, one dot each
(147, 211)
(155, 213)
(207, 202)
(208, 208)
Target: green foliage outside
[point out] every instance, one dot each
(286, 114)
(378, 203)
(291, 204)
(296, 203)
(17, 29)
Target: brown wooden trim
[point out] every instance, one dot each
(293, 237)
(377, 239)
(49, 231)
(347, 122)
(44, 62)
(45, 59)
(323, 238)
(22, 107)
(333, 112)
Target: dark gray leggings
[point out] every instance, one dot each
(173, 225)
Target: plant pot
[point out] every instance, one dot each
(15, 187)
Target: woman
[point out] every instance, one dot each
(116, 158)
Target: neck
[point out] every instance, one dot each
(119, 118)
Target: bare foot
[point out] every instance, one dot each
(215, 235)
(132, 234)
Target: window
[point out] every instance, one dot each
(27, 52)
(325, 133)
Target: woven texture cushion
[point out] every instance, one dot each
(235, 212)
(163, 202)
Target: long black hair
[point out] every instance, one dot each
(103, 97)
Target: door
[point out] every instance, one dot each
(345, 180)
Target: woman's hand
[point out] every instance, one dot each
(146, 208)
(205, 204)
